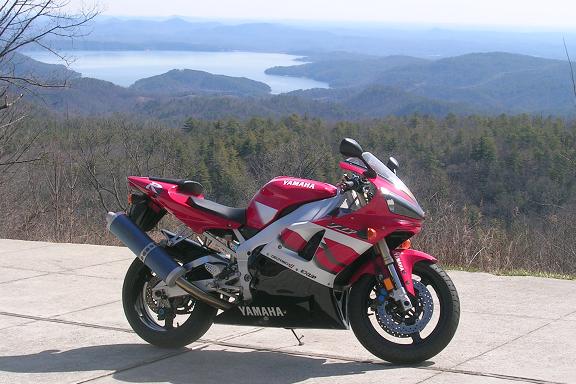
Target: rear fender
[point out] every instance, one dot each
(405, 260)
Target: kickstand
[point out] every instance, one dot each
(296, 336)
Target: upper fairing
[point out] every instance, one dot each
(281, 193)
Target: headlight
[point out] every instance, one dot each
(401, 206)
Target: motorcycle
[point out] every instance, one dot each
(303, 254)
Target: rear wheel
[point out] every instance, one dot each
(403, 338)
(165, 322)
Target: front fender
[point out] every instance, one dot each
(405, 260)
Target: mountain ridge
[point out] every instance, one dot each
(363, 87)
(186, 81)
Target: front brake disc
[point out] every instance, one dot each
(403, 325)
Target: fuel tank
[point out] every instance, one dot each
(283, 193)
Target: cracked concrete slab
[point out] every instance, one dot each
(214, 364)
(111, 270)
(43, 352)
(51, 295)
(68, 298)
(456, 378)
(11, 321)
(546, 354)
(50, 257)
(7, 245)
(13, 274)
(514, 295)
(477, 331)
(571, 317)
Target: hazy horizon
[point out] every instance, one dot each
(551, 15)
(350, 24)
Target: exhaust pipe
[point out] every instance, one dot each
(199, 294)
(156, 258)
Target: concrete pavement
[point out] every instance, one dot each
(61, 321)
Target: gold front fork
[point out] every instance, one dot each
(398, 292)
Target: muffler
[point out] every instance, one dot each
(156, 258)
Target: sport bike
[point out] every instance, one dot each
(303, 254)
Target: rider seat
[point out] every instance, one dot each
(184, 186)
(233, 214)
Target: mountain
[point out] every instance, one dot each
(339, 71)
(22, 66)
(86, 96)
(185, 81)
(489, 82)
(364, 87)
(426, 42)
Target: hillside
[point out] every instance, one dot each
(505, 182)
(22, 66)
(489, 82)
(87, 96)
(186, 81)
(363, 87)
(353, 70)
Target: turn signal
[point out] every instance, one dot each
(371, 234)
(388, 284)
(130, 198)
(405, 245)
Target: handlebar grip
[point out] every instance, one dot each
(348, 185)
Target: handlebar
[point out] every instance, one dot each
(350, 183)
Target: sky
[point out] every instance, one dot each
(549, 14)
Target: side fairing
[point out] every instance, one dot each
(331, 255)
(282, 193)
(283, 298)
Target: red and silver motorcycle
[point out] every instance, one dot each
(303, 254)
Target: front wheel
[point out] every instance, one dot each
(403, 338)
(164, 322)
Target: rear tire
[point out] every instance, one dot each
(144, 321)
(393, 348)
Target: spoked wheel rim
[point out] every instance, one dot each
(161, 314)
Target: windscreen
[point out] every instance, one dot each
(382, 170)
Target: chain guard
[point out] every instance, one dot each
(400, 325)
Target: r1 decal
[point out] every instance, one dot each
(341, 228)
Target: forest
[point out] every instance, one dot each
(499, 192)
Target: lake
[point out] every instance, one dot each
(125, 67)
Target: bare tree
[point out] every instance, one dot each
(571, 69)
(33, 23)
(30, 24)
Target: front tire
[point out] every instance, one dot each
(380, 329)
(143, 313)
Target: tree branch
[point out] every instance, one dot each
(571, 69)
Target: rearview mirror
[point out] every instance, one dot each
(351, 148)
(392, 164)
